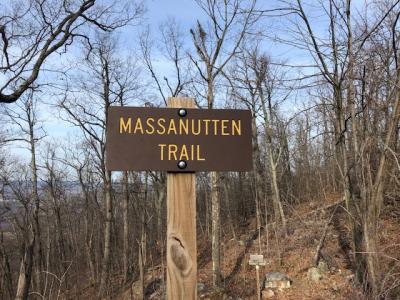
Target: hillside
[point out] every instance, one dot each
(292, 255)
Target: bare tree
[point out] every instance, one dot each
(24, 117)
(105, 70)
(256, 83)
(335, 56)
(171, 48)
(244, 90)
(216, 44)
(32, 30)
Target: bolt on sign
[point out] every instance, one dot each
(178, 139)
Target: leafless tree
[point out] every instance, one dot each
(24, 117)
(170, 48)
(91, 117)
(32, 30)
(335, 56)
(216, 43)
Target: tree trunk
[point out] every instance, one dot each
(376, 200)
(105, 267)
(228, 209)
(278, 209)
(25, 271)
(257, 167)
(160, 201)
(125, 207)
(6, 268)
(90, 255)
(215, 230)
(141, 272)
(215, 204)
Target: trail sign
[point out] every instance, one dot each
(256, 260)
(178, 139)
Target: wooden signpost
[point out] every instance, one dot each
(181, 229)
(179, 139)
(257, 260)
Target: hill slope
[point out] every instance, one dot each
(293, 255)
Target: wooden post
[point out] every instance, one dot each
(257, 260)
(258, 282)
(181, 228)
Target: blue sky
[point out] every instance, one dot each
(186, 12)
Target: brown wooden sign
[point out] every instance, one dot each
(173, 139)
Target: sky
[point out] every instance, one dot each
(185, 12)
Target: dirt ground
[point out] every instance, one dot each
(293, 255)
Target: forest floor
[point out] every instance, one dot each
(292, 255)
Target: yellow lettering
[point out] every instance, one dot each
(138, 126)
(149, 123)
(184, 153)
(161, 123)
(162, 146)
(215, 126)
(125, 127)
(191, 152)
(236, 126)
(183, 126)
(198, 153)
(171, 126)
(224, 127)
(198, 127)
(206, 123)
(172, 149)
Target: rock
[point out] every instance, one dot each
(201, 287)
(347, 272)
(136, 289)
(334, 287)
(276, 280)
(350, 277)
(323, 266)
(267, 294)
(314, 274)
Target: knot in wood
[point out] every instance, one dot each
(180, 256)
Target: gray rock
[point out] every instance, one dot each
(201, 287)
(323, 266)
(314, 274)
(350, 277)
(276, 280)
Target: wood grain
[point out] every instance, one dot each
(181, 228)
